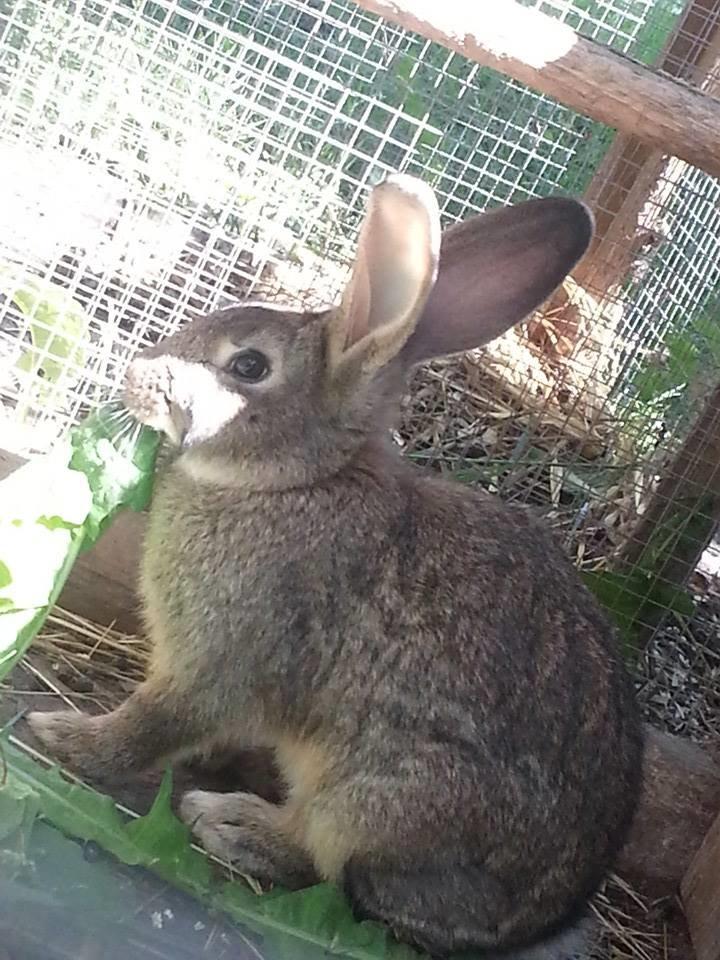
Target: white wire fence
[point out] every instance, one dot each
(159, 158)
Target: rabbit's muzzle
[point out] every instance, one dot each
(182, 399)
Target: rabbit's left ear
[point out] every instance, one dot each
(495, 269)
(391, 279)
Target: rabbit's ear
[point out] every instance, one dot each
(393, 274)
(495, 269)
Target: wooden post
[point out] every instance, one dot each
(628, 195)
(700, 891)
(679, 801)
(624, 193)
(550, 57)
(619, 190)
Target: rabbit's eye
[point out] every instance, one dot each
(250, 366)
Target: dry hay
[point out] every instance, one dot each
(536, 426)
(90, 666)
(91, 661)
(486, 397)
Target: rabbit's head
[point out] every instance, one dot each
(266, 396)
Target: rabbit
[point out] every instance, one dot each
(446, 702)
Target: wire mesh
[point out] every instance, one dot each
(160, 158)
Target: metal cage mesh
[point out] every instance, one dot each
(159, 158)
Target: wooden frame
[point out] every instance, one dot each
(550, 57)
(627, 191)
(700, 892)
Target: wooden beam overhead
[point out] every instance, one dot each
(592, 79)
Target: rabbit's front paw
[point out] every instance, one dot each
(225, 823)
(245, 831)
(68, 736)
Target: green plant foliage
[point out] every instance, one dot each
(54, 506)
(43, 506)
(19, 806)
(119, 470)
(71, 807)
(686, 355)
(632, 597)
(303, 923)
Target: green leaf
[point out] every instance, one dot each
(18, 812)
(38, 552)
(165, 841)
(19, 627)
(120, 472)
(71, 807)
(50, 510)
(34, 552)
(45, 487)
(303, 923)
(18, 809)
(320, 916)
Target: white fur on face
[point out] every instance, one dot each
(182, 399)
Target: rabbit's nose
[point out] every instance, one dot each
(147, 388)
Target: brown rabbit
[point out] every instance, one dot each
(444, 698)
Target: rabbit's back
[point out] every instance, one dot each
(484, 690)
(478, 645)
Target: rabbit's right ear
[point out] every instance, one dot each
(393, 273)
(495, 269)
